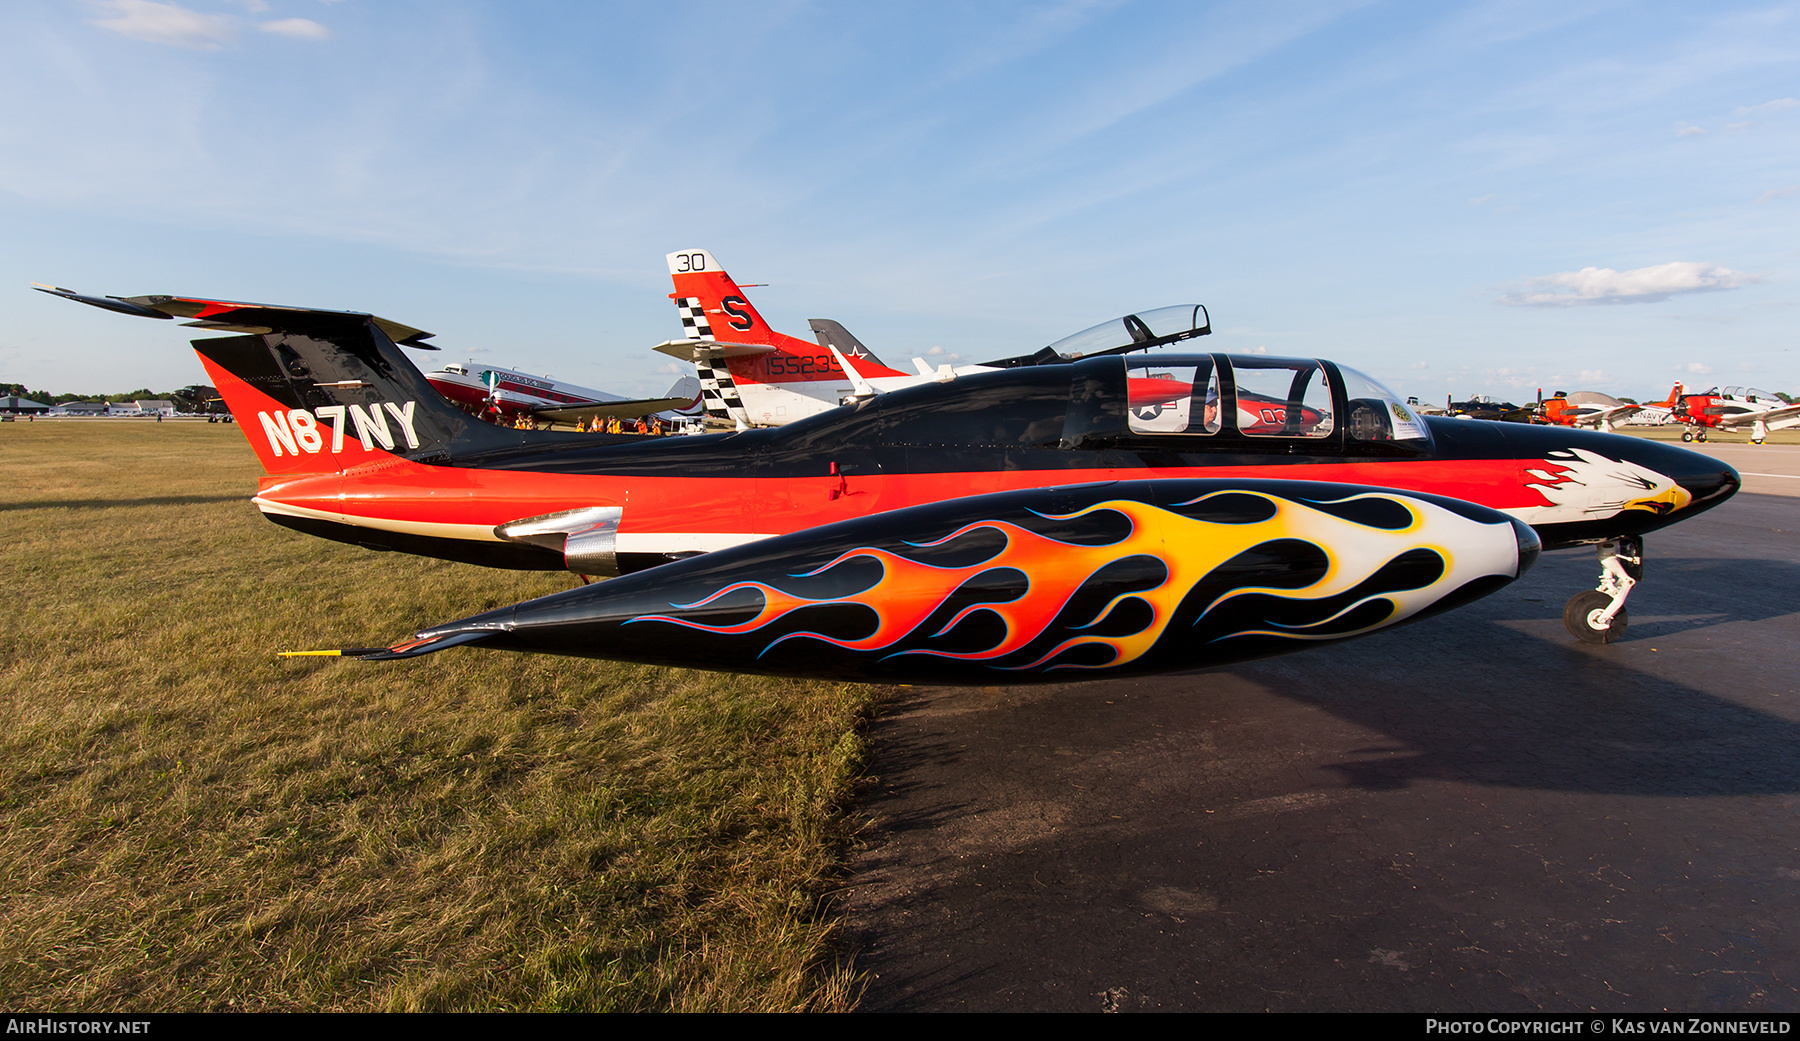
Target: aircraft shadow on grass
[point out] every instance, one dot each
(107, 504)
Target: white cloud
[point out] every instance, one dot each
(298, 28)
(1644, 285)
(1694, 368)
(1778, 193)
(1770, 106)
(166, 23)
(1687, 130)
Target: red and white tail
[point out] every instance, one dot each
(713, 307)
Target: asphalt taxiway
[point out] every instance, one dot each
(1474, 813)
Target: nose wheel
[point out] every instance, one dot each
(1598, 615)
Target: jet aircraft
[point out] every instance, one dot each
(752, 375)
(1006, 525)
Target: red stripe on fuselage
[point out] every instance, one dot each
(397, 490)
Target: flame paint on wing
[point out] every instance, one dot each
(1190, 552)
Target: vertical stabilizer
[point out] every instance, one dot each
(334, 395)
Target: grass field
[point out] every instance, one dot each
(188, 822)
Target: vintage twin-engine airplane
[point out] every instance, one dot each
(752, 375)
(1116, 514)
(1733, 409)
(492, 390)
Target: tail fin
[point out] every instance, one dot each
(319, 391)
(831, 335)
(332, 397)
(712, 305)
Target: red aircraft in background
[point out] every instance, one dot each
(750, 374)
(1592, 410)
(1733, 409)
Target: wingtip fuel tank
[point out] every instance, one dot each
(1037, 585)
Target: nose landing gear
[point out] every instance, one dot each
(1598, 615)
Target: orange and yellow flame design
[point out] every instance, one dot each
(910, 592)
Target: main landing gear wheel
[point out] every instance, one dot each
(1584, 612)
(1686, 436)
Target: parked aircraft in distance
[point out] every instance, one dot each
(1009, 525)
(752, 375)
(490, 390)
(1587, 409)
(1479, 407)
(1595, 411)
(1734, 409)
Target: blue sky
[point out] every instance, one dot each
(1479, 198)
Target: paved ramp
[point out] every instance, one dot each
(1472, 813)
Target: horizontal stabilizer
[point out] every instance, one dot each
(236, 316)
(694, 350)
(608, 409)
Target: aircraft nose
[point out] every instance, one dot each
(1706, 480)
(1709, 482)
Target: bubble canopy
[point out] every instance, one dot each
(1136, 331)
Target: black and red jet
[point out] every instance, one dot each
(1114, 514)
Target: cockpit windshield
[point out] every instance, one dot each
(1136, 331)
(1377, 413)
